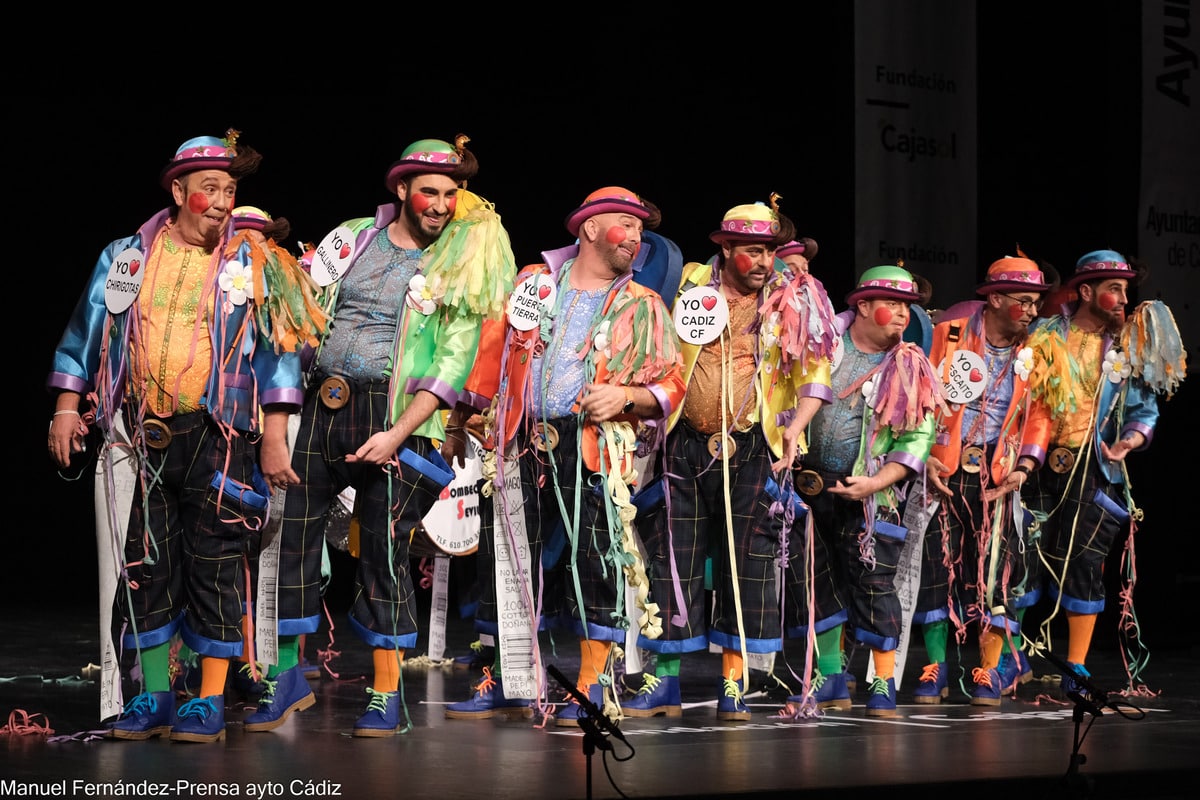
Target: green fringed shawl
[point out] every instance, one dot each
(472, 262)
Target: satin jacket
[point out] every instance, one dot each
(506, 356)
(436, 352)
(1122, 407)
(1021, 431)
(245, 374)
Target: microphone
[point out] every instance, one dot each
(586, 704)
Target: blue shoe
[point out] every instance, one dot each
(1014, 670)
(829, 692)
(657, 696)
(242, 682)
(568, 717)
(382, 717)
(148, 715)
(730, 705)
(481, 655)
(286, 692)
(489, 701)
(309, 670)
(1071, 686)
(989, 687)
(932, 686)
(851, 681)
(201, 719)
(881, 702)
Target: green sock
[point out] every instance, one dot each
(156, 667)
(289, 655)
(935, 634)
(667, 664)
(1016, 637)
(496, 664)
(187, 655)
(829, 651)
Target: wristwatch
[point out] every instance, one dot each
(628, 409)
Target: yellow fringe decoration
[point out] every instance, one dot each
(1054, 371)
(472, 263)
(621, 442)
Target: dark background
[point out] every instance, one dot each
(697, 114)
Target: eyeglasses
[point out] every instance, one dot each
(1026, 305)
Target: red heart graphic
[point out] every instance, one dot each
(976, 376)
(134, 266)
(345, 250)
(708, 302)
(543, 292)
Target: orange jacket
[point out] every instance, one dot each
(502, 369)
(1020, 432)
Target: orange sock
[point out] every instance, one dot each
(1079, 636)
(885, 663)
(387, 668)
(990, 645)
(732, 666)
(593, 659)
(213, 672)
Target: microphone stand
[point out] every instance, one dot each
(593, 737)
(1092, 703)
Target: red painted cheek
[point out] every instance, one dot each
(198, 203)
(743, 263)
(883, 316)
(1015, 312)
(616, 234)
(1108, 301)
(420, 203)
(451, 205)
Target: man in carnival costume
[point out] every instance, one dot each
(864, 448)
(264, 234)
(756, 353)
(796, 256)
(177, 339)
(974, 559)
(1097, 375)
(409, 287)
(584, 357)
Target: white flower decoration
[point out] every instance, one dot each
(235, 281)
(771, 329)
(1024, 364)
(419, 297)
(868, 391)
(600, 340)
(1116, 366)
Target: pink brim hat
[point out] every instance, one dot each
(609, 200)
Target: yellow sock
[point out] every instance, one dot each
(885, 663)
(387, 668)
(213, 672)
(593, 660)
(990, 645)
(1079, 636)
(732, 666)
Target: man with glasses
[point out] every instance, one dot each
(973, 569)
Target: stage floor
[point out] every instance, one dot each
(1025, 745)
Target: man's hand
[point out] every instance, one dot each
(603, 401)
(933, 474)
(379, 449)
(1123, 447)
(856, 487)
